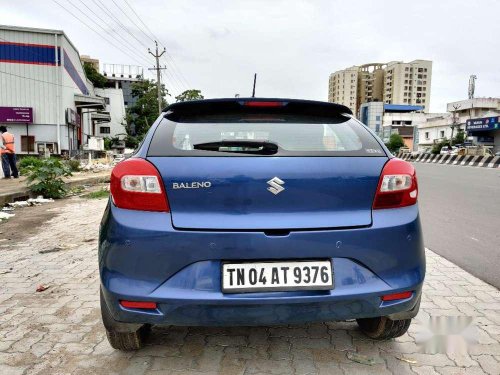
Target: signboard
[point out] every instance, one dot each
(70, 116)
(485, 139)
(482, 124)
(23, 115)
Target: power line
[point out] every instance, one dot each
(34, 79)
(91, 28)
(163, 44)
(110, 14)
(125, 45)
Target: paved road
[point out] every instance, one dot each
(460, 208)
(59, 331)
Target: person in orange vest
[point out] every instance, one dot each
(8, 152)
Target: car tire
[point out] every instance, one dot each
(383, 328)
(125, 341)
(118, 337)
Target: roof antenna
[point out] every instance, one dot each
(254, 82)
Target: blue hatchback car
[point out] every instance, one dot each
(260, 212)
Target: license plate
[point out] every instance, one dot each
(277, 276)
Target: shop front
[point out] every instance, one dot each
(485, 132)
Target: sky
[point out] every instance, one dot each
(293, 45)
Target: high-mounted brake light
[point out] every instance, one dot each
(137, 185)
(397, 186)
(256, 103)
(139, 305)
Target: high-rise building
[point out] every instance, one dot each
(343, 87)
(408, 83)
(395, 82)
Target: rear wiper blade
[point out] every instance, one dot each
(242, 146)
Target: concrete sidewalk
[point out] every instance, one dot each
(15, 189)
(59, 331)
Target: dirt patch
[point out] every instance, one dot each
(29, 220)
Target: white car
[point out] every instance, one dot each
(447, 150)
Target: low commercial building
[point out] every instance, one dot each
(46, 100)
(386, 119)
(478, 117)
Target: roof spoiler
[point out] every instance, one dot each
(255, 105)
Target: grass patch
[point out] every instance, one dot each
(103, 193)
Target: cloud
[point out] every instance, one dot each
(294, 45)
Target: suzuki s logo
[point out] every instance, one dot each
(275, 185)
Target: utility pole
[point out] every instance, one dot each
(158, 68)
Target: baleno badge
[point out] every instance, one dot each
(191, 185)
(275, 185)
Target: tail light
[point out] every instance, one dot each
(137, 185)
(397, 186)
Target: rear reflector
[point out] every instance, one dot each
(137, 185)
(264, 104)
(139, 305)
(396, 296)
(397, 186)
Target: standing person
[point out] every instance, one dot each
(8, 153)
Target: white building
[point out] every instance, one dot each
(446, 126)
(116, 109)
(45, 99)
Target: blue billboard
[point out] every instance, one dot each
(479, 124)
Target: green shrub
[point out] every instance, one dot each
(27, 162)
(47, 178)
(74, 165)
(395, 143)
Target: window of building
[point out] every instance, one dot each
(377, 118)
(406, 81)
(105, 130)
(420, 70)
(426, 135)
(28, 143)
(106, 100)
(441, 133)
(407, 75)
(406, 69)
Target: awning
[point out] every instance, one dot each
(100, 116)
(88, 101)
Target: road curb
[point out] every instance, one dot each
(22, 192)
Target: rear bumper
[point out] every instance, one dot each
(141, 257)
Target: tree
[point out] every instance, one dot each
(459, 138)
(144, 112)
(97, 79)
(395, 142)
(189, 95)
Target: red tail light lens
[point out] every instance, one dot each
(137, 185)
(397, 186)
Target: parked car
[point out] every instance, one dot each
(447, 150)
(260, 212)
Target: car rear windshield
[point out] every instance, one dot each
(241, 135)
